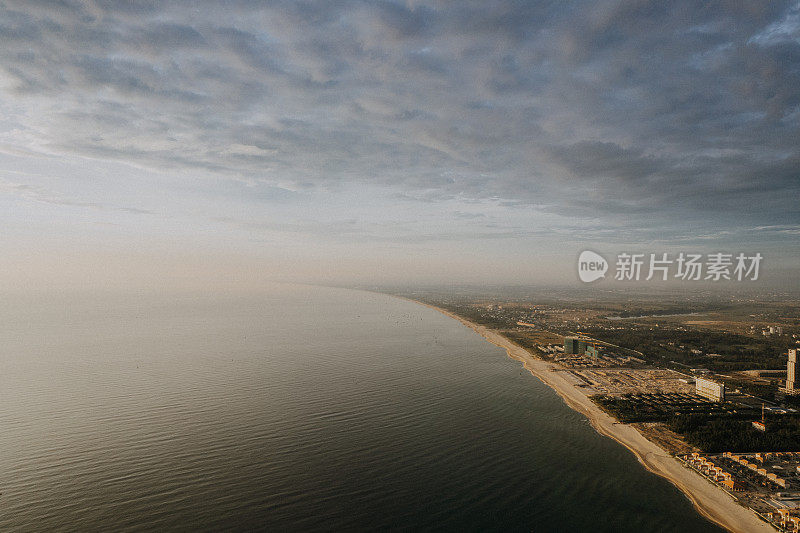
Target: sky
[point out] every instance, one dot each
(346, 142)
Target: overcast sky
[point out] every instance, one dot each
(347, 141)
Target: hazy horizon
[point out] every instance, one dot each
(187, 144)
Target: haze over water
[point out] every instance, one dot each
(302, 409)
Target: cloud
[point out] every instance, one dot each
(45, 196)
(604, 109)
(784, 30)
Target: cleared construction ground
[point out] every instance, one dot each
(616, 382)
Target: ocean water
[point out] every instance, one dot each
(296, 409)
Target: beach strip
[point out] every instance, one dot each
(709, 500)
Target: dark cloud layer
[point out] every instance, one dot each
(625, 108)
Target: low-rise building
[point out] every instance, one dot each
(710, 389)
(734, 484)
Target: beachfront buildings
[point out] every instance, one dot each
(710, 389)
(715, 472)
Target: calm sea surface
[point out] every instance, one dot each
(300, 409)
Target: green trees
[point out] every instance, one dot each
(729, 434)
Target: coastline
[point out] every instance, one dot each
(709, 500)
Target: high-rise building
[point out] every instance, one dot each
(791, 371)
(571, 345)
(576, 345)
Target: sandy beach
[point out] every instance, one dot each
(710, 500)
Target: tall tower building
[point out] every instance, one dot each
(791, 371)
(570, 345)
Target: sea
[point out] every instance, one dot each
(294, 408)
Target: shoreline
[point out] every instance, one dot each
(709, 500)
